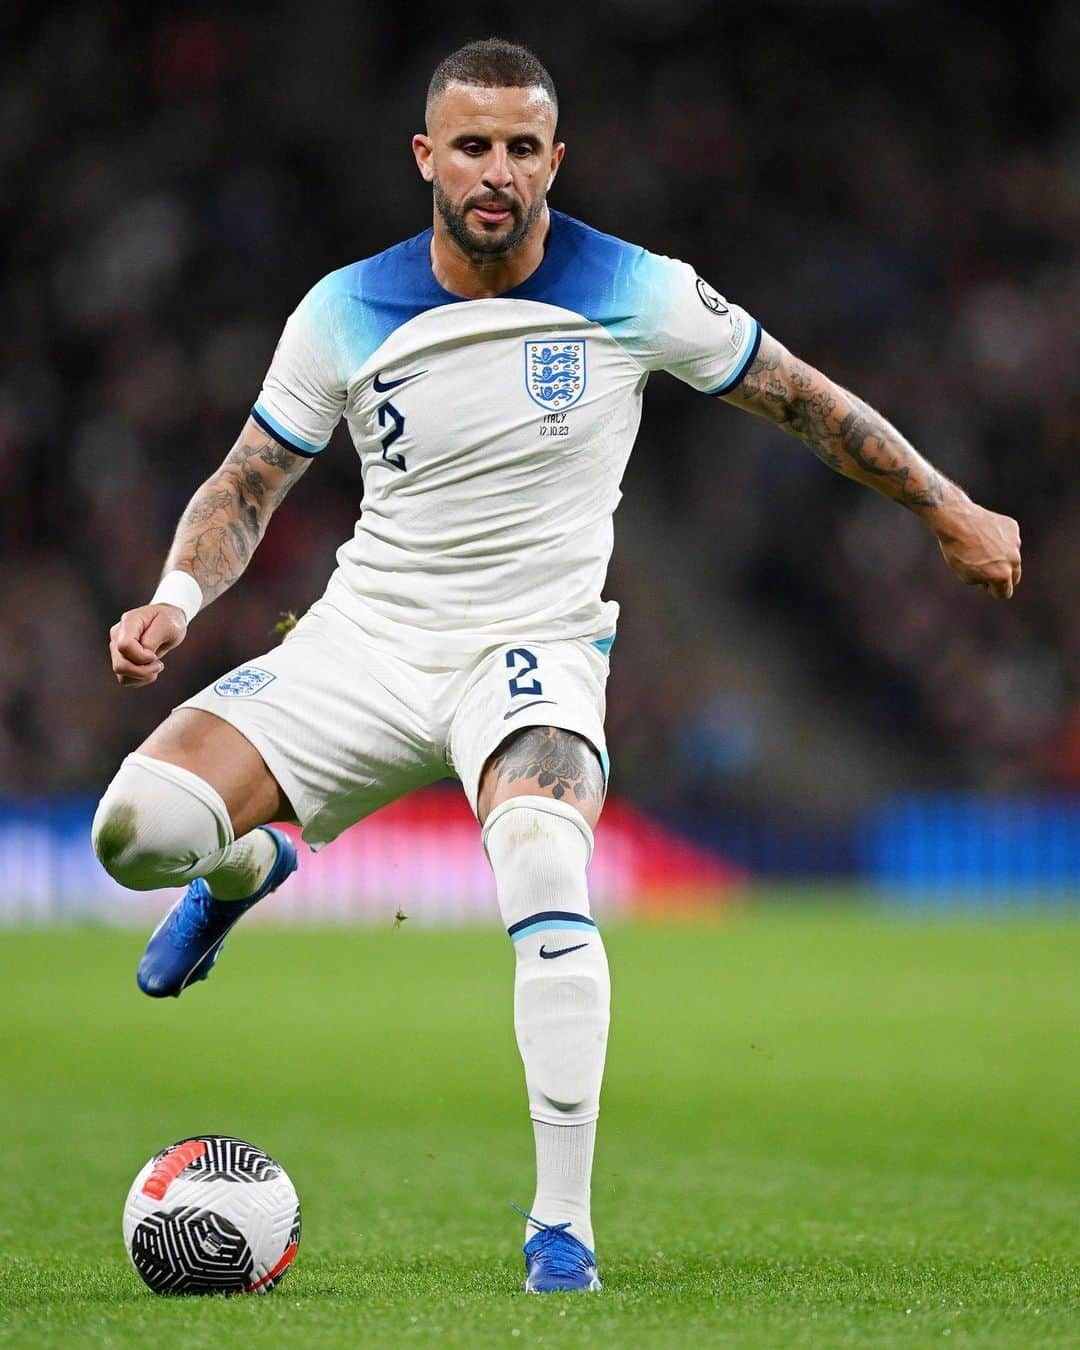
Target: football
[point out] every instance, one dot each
(212, 1215)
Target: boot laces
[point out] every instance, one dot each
(193, 915)
(563, 1254)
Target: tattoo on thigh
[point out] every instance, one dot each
(560, 761)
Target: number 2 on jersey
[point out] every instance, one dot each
(528, 664)
(387, 412)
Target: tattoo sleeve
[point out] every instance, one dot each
(227, 516)
(844, 432)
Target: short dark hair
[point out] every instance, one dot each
(492, 63)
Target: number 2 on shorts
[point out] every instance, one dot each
(528, 664)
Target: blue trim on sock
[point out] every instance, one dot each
(549, 919)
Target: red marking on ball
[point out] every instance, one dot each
(283, 1265)
(170, 1167)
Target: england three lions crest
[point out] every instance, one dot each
(243, 683)
(555, 373)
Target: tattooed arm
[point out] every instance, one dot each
(214, 541)
(981, 547)
(228, 515)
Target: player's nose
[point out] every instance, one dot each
(497, 175)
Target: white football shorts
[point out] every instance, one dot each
(347, 726)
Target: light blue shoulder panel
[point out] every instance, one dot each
(606, 280)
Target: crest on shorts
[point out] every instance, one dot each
(555, 372)
(243, 683)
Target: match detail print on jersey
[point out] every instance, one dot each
(492, 470)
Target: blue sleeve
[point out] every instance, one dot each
(682, 325)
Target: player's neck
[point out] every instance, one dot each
(472, 279)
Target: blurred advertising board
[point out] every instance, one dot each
(965, 851)
(420, 857)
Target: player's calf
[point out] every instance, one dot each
(539, 849)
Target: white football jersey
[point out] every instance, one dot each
(493, 434)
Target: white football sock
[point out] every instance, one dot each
(539, 848)
(247, 865)
(160, 825)
(564, 1158)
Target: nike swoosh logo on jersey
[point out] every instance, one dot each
(381, 388)
(550, 956)
(514, 711)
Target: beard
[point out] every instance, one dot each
(479, 245)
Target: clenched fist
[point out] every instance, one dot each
(981, 547)
(141, 638)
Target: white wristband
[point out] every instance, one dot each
(182, 590)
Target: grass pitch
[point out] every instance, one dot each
(819, 1127)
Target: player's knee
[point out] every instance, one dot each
(114, 834)
(155, 828)
(539, 849)
(135, 845)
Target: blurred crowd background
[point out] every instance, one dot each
(894, 192)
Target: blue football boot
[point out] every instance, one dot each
(555, 1260)
(185, 945)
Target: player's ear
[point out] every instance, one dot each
(557, 152)
(423, 148)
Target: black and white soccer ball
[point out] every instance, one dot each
(212, 1215)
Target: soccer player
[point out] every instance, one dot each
(490, 371)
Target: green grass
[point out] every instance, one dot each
(820, 1127)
